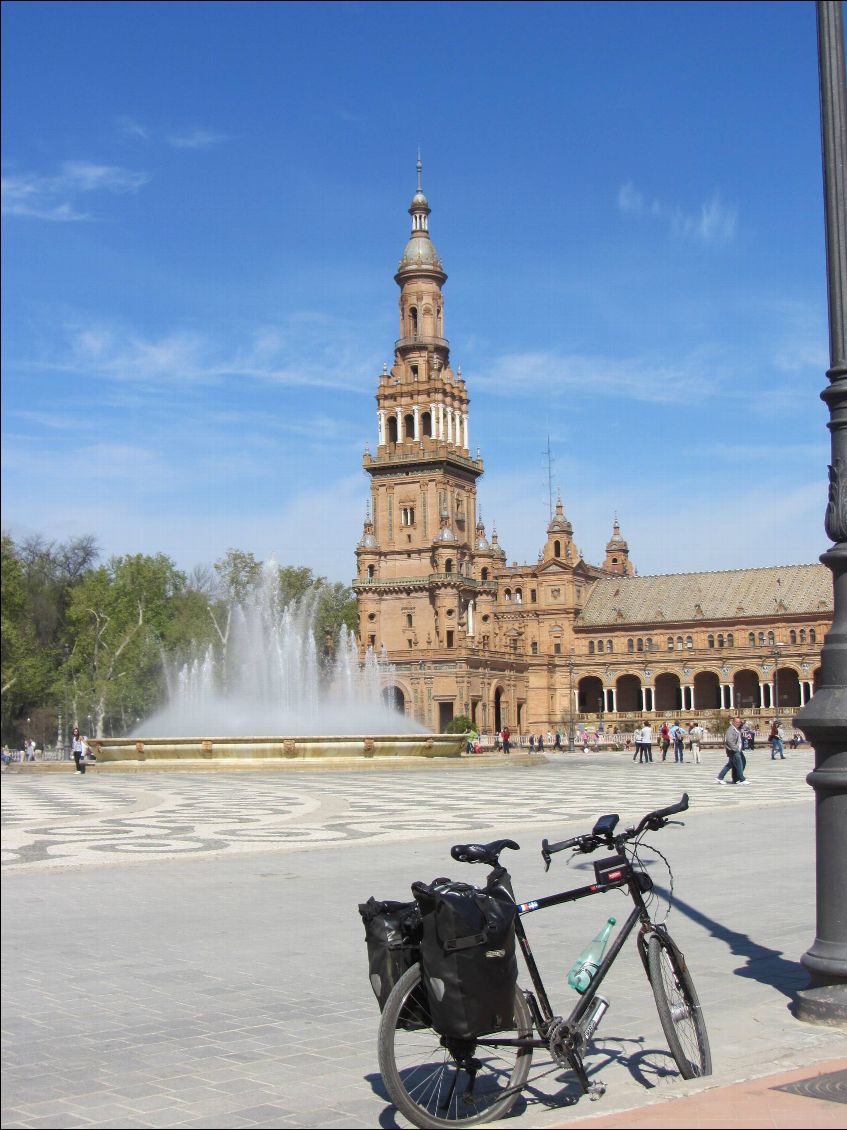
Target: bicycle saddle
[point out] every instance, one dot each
(482, 853)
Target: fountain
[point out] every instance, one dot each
(267, 678)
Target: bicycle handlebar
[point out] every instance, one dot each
(589, 842)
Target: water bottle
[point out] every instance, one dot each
(583, 969)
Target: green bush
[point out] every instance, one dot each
(461, 724)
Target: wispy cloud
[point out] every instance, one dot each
(197, 139)
(633, 378)
(306, 352)
(716, 223)
(54, 197)
(132, 128)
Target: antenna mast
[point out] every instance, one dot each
(549, 479)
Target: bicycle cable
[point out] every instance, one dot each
(651, 895)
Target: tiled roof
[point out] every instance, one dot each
(726, 595)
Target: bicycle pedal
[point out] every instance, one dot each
(596, 1091)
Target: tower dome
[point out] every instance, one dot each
(559, 523)
(419, 254)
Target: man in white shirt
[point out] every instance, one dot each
(647, 741)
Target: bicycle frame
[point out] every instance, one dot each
(638, 883)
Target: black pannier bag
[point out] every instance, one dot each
(468, 959)
(393, 937)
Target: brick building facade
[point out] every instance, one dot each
(560, 641)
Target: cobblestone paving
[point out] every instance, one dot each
(59, 821)
(183, 949)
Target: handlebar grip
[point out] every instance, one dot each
(674, 808)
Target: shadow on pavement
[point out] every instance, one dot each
(763, 964)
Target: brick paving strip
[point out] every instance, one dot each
(769, 1101)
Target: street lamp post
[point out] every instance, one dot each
(775, 653)
(822, 720)
(570, 703)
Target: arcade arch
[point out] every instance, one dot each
(668, 693)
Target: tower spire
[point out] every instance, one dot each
(420, 170)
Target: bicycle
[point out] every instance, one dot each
(436, 1081)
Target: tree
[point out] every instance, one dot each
(120, 614)
(461, 724)
(38, 578)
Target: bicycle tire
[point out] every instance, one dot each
(679, 1008)
(421, 1075)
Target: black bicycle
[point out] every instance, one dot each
(436, 1081)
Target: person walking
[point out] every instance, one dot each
(733, 746)
(78, 749)
(777, 740)
(647, 742)
(506, 735)
(679, 736)
(695, 735)
(540, 743)
(665, 736)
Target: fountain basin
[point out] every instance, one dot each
(310, 747)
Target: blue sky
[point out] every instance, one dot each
(204, 205)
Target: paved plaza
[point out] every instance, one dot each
(183, 949)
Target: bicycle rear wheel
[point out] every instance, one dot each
(679, 1007)
(439, 1084)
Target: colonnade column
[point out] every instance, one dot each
(380, 423)
(416, 416)
(465, 433)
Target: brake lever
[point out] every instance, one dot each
(545, 855)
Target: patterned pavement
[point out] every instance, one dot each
(64, 820)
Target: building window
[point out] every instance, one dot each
(689, 642)
(679, 643)
(813, 636)
(591, 647)
(485, 640)
(408, 619)
(761, 639)
(507, 596)
(484, 573)
(518, 596)
(629, 645)
(372, 641)
(557, 649)
(533, 596)
(751, 639)
(609, 646)
(414, 372)
(802, 635)
(792, 636)
(370, 572)
(771, 639)
(407, 516)
(670, 643)
(557, 549)
(448, 565)
(730, 640)
(600, 647)
(409, 642)
(710, 641)
(639, 644)
(649, 643)
(449, 637)
(533, 647)
(513, 644)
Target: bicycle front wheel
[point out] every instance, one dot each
(679, 1008)
(439, 1084)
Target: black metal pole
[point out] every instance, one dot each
(824, 719)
